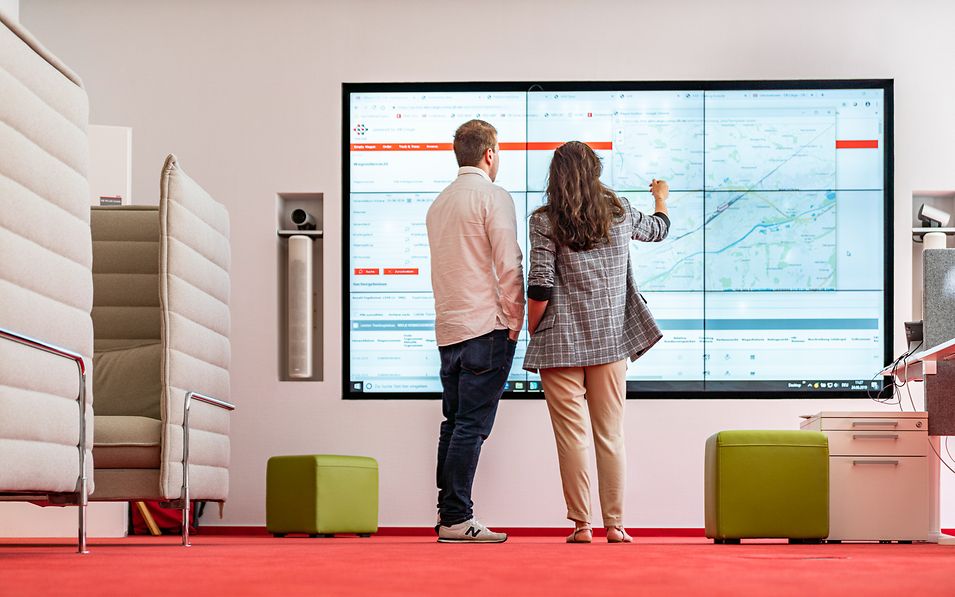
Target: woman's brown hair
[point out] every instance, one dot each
(580, 207)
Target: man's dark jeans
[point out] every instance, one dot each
(473, 373)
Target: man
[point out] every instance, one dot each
(478, 283)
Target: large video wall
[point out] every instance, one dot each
(773, 281)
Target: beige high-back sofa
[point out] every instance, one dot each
(160, 313)
(161, 365)
(46, 290)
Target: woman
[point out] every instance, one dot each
(586, 319)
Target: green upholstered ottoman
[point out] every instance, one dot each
(321, 495)
(769, 484)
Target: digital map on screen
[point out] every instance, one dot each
(771, 279)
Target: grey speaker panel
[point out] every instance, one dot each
(938, 314)
(300, 307)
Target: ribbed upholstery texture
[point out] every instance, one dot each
(124, 484)
(194, 288)
(161, 316)
(46, 289)
(126, 315)
(127, 442)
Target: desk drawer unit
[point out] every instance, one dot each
(880, 423)
(877, 443)
(878, 475)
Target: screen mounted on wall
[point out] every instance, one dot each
(774, 281)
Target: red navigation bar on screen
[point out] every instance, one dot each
(506, 146)
(401, 147)
(548, 146)
(388, 271)
(857, 143)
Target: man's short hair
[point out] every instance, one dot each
(471, 140)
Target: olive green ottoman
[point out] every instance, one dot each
(767, 484)
(321, 495)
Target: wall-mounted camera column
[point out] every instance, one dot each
(300, 286)
(932, 228)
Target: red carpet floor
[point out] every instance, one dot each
(419, 566)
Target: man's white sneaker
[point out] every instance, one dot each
(469, 531)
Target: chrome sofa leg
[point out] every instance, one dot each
(184, 496)
(185, 522)
(82, 482)
(81, 507)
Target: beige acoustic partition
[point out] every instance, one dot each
(161, 365)
(46, 291)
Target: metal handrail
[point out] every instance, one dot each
(184, 496)
(209, 400)
(81, 482)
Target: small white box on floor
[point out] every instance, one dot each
(20, 519)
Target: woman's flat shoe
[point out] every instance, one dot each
(618, 535)
(581, 535)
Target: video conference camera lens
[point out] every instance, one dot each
(303, 219)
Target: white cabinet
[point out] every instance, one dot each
(878, 474)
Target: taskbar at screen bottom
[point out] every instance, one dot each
(807, 386)
(661, 389)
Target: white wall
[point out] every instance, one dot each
(249, 99)
(111, 163)
(11, 8)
